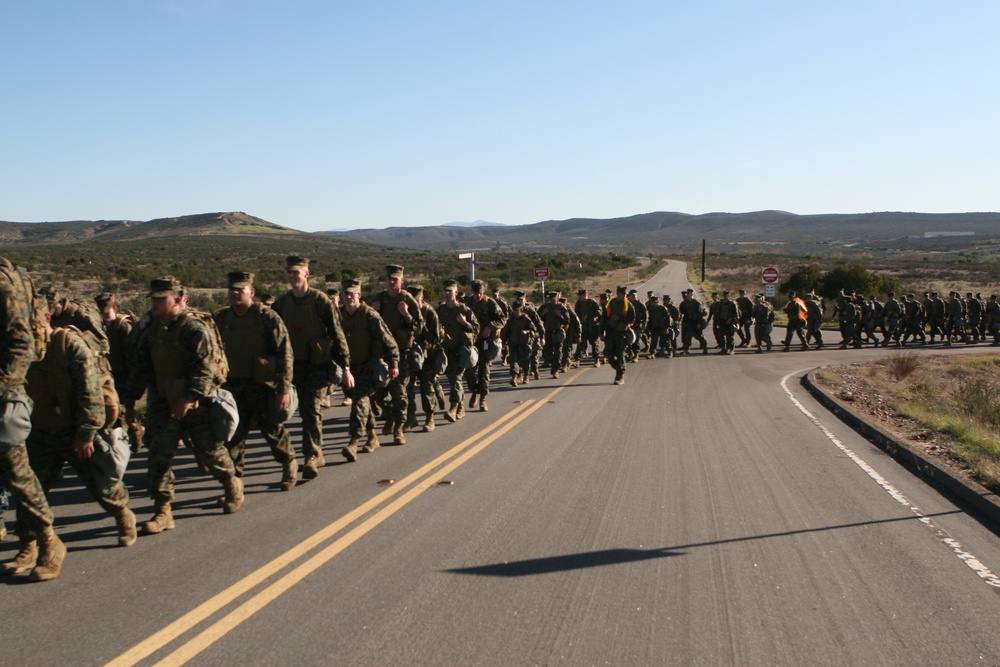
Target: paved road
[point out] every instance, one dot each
(696, 515)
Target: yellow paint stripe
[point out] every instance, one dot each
(172, 631)
(231, 620)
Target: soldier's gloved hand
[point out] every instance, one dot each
(82, 449)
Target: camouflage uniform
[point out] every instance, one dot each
(517, 334)
(763, 317)
(260, 359)
(589, 312)
(18, 351)
(619, 316)
(174, 362)
(429, 340)
(536, 344)
(745, 306)
(555, 321)
(490, 318)
(727, 317)
(574, 335)
(404, 329)
(318, 342)
(69, 408)
(456, 336)
(692, 323)
(370, 342)
(659, 322)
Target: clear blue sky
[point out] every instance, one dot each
(328, 114)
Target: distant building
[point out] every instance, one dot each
(937, 235)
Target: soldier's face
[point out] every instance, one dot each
(240, 296)
(165, 307)
(395, 284)
(451, 295)
(298, 278)
(352, 300)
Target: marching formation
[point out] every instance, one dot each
(71, 377)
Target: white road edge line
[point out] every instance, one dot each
(971, 561)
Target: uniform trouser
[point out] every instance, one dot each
(536, 347)
(478, 376)
(251, 400)
(890, 330)
(48, 452)
(848, 333)
(552, 351)
(934, 326)
(793, 329)
(588, 337)
(362, 420)
(815, 332)
(744, 331)
(166, 436)
(727, 336)
(914, 330)
(718, 332)
(427, 379)
(454, 373)
(20, 480)
(975, 327)
(518, 356)
(398, 401)
(762, 333)
(312, 381)
(690, 330)
(565, 353)
(616, 343)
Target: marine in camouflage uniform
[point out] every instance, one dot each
(461, 330)
(41, 550)
(692, 322)
(659, 323)
(892, 316)
(490, 318)
(69, 411)
(401, 313)
(619, 316)
(589, 312)
(318, 344)
(429, 340)
(505, 309)
(763, 319)
(536, 344)
(745, 305)
(991, 321)
(641, 318)
(175, 363)
(374, 353)
(555, 322)
(574, 335)
(727, 317)
(260, 358)
(118, 327)
(517, 334)
(814, 321)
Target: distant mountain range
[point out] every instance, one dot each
(658, 232)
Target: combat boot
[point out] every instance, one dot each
(126, 527)
(411, 422)
(524, 379)
(350, 450)
(452, 413)
(24, 560)
(513, 380)
(473, 400)
(460, 412)
(620, 378)
(429, 424)
(52, 552)
(398, 438)
(536, 374)
(135, 437)
(313, 464)
(482, 405)
(290, 474)
(388, 427)
(234, 494)
(161, 521)
(439, 394)
(372, 443)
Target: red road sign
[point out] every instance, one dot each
(541, 273)
(769, 275)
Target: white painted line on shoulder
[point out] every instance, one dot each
(971, 561)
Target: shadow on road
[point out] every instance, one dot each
(588, 559)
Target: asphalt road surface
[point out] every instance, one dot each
(708, 512)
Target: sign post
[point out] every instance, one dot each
(769, 277)
(471, 256)
(542, 273)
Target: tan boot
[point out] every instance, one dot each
(234, 494)
(429, 424)
(460, 411)
(315, 462)
(452, 414)
(52, 552)
(127, 533)
(350, 450)
(372, 443)
(135, 437)
(473, 400)
(290, 474)
(388, 427)
(161, 521)
(24, 560)
(482, 405)
(398, 438)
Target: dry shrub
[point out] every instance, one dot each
(902, 364)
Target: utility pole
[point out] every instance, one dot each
(703, 260)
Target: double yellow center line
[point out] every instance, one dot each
(427, 476)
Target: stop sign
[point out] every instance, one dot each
(769, 275)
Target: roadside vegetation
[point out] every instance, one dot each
(950, 405)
